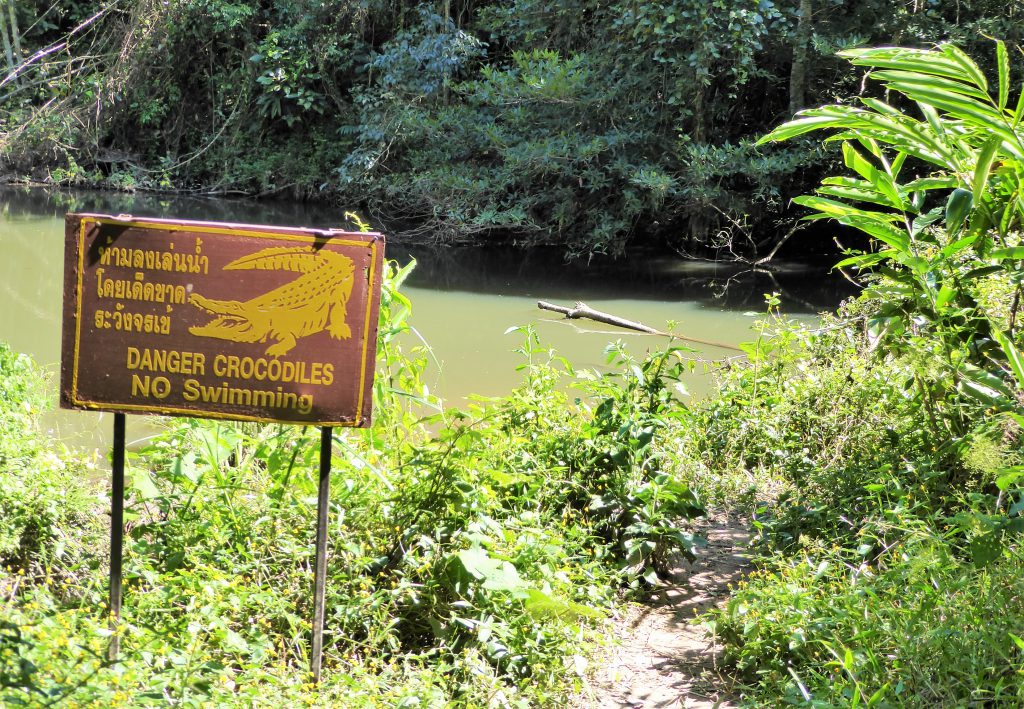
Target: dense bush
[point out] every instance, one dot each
(891, 560)
(40, 504)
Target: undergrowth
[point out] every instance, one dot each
(890, 561)
(474, 554)
(885, 572)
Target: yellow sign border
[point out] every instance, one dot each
(206, 229)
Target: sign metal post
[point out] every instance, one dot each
(116, 534)
(320, 568)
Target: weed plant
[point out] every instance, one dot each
(474, 554)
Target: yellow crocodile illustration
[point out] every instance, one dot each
(315, 301)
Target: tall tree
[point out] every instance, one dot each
(798, 72)
(8, 51)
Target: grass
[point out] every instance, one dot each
(477, 554)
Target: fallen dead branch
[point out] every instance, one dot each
(582, 310)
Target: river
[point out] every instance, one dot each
(464, 299)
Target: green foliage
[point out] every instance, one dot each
(915, 629)
(37, 509)
(474, 553)
(288, 81)
(959, 165)
(893, 541)
(886, 552)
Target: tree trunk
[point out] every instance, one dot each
(7, 42)
(699, 123)
(798, 72)
(447, 19)
(15, 32)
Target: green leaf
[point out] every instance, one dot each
(540, 605)
(986, 548)
(1012, 355)
(832, 208)
(857, 194)
(932, 116)
(883, 108)
(972, 70)
(496, 574)
(971, 111)
(976, 273)
(945, 295)
(886, 233)
(1003, 63)
(1011, 253)
(958, 206)
(893, 128)
(959, 245)
(925, 61)
(142, 483)
(897, 164)
(985, 387)
(925, 220)
(938, 83)
(233, 642)
(863, 261)
(1018, 112)
(799, 126)
(402, 274)
(879, 695)
(986, 156)
(880, 181)
(883, 123)
(185, 466)
(1011, 212)
(931, 183)
(1009, 476)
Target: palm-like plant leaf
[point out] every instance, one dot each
(967, 150)
(966, 134)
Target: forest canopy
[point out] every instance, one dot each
(586, 124)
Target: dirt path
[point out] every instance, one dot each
(661, 658)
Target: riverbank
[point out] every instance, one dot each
(471, 560)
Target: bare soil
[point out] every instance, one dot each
(661, 657)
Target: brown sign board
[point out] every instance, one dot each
(233, 321)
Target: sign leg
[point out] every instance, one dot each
(116, 534)
(320, 569)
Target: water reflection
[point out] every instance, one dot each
(543, 273)
(538, 273)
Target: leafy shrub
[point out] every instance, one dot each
(40, 504)
(889, 560)
(473, 552)
(914, 627)
(886, 551)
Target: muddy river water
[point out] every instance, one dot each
(464, 300)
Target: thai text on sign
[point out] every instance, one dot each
(230, 321)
